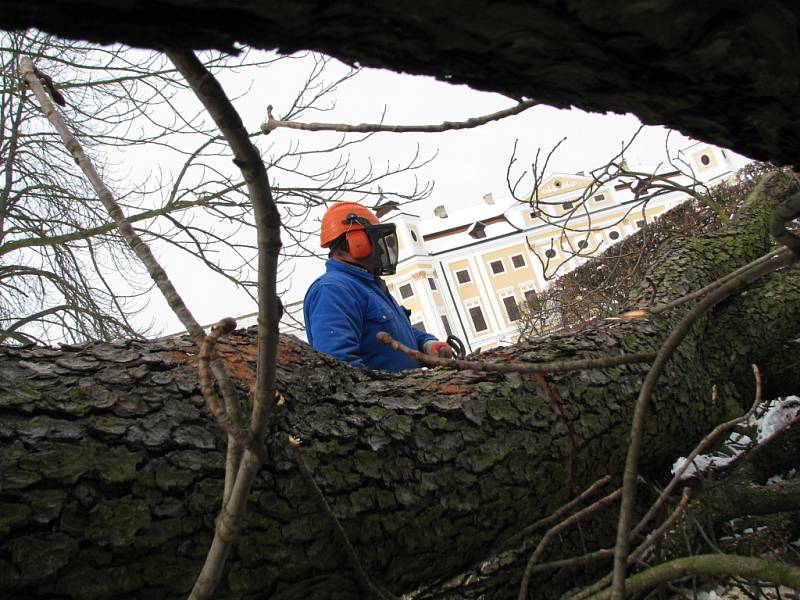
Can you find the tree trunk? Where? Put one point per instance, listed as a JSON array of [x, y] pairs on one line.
[[111, 470]]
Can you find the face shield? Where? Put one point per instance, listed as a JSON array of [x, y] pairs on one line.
[[384, 247], [383, 244]]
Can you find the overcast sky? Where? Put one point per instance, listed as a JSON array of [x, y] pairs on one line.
[[468, 164]]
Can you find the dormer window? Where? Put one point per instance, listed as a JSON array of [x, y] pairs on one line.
[[477, 230]]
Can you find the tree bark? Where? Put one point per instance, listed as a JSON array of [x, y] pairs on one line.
[[111, 470]]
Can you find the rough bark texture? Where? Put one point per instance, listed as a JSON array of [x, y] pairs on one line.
[[111, 472], [722, 71]]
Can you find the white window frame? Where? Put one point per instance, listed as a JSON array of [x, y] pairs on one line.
[[502, 295], [457, 271], [400, 293], [502, 264], [472, 303]]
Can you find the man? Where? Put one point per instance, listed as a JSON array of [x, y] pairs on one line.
[[346, 307]]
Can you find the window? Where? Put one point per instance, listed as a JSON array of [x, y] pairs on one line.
[[550, 253], [640, 223], [705, 159], [566, 205], [582, 244], [463, 276], [512, 310], [477, 230], [420, 325], [497, 266], [534, 213], [432, 283], [406, 291], [614, 235], [413, 234], [530, 298], [599, 197], [446, 324], [518, 261], [476, 314]]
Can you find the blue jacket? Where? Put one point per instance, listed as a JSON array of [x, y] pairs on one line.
[[346, 307]]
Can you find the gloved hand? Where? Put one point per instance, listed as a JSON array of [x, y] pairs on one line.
[[440, 349]]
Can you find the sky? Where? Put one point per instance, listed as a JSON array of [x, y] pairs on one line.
[[467, 165]]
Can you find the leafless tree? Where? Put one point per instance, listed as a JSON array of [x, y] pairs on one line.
[[65, 274]]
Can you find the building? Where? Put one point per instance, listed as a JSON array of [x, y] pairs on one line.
[[466, 271]]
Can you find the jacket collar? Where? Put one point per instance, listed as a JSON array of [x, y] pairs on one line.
[[336, 265]]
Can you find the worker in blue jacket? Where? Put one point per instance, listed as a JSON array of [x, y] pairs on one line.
[[345, 308]]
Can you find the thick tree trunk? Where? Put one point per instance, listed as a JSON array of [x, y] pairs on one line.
[[111, 470]]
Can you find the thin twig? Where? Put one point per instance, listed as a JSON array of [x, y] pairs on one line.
[[643, 404], [216, 407], [651, 539], [701, 447], [272, 123], [515, 366], [782, 258], [578, 516], [338, 530], [566, 508], [526, 532]]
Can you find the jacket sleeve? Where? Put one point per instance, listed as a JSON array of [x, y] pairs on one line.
[[422, 337], [334, 322]]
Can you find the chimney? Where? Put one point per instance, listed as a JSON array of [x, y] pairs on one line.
[[488, 198], [440, 212]]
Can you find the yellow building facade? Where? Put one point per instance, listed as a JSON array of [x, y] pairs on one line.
[[466, 272]]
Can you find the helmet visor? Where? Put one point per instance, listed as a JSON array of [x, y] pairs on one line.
[[384, 247]]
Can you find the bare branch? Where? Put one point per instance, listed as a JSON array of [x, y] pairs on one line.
[[515, 367], [271, 123]]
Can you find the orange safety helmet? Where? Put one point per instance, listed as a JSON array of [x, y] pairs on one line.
[[337, 220], [364, 234]]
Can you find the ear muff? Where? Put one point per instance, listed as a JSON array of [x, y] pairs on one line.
[[358, 244]]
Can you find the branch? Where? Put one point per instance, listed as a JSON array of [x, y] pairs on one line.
[[216, 407], [577, 517], [701, 447], [271, 123], [786, 211], [514, 366], [643, 404], [141, 249], [99, 229], [246, 157], [649, 541], [712, 564]]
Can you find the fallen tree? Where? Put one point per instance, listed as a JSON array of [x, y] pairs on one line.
[[111, 473]]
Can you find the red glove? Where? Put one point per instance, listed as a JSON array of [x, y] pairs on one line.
[[441, 349]]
